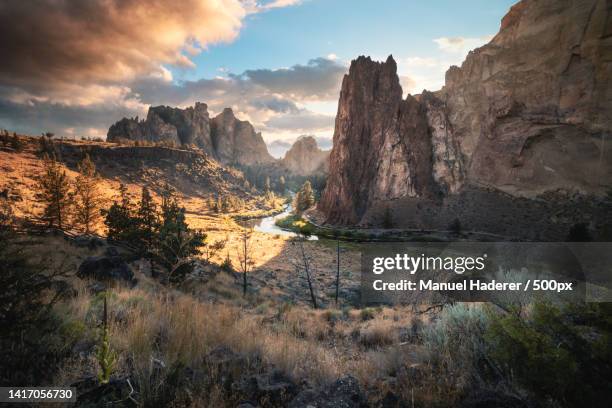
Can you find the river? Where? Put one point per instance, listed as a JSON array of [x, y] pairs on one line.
[[268, 224]]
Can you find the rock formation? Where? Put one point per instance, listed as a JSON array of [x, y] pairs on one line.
[[305, 158], [525, 119], [226, 138], [235, 141]]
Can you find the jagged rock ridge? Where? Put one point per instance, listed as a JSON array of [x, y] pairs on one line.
[[305, 157], [525, 117], [224, 137]]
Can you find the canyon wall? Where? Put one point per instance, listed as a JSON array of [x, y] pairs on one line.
[[516, 141]]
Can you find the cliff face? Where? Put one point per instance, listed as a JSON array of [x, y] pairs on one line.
[[235, 141], [305, 158], [226, 138], [526, 115]]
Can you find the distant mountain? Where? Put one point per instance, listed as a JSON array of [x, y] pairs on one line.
[[306, 158], [224, 137]]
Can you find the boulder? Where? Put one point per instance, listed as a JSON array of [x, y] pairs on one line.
[[272, 389], [343, 393], [107, 269]]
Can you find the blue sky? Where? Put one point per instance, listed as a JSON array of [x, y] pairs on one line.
[[277, 63], [286, 36]]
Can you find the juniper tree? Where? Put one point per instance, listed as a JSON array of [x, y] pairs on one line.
[[304, 199], [148, 219], [281, 184], [87, 196], [177, 244], [54, 193], [119, 219]]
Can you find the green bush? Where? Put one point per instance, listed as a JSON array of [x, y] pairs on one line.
[[297, 224], [455, 342], [367, 313], [557, 353]]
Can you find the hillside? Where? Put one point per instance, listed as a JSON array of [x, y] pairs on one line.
[[191, 173]]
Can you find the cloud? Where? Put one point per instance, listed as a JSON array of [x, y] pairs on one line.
[[278, 148], [418, 73], [52, 43], [303, 121], [279, 3], [319, 79], [461, 45], [268, 106], [78, 66], [90, 121], [325, 143]]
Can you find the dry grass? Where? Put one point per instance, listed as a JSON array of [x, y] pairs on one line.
[[379, 333]]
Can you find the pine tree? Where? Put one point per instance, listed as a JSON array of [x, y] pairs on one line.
[[267, 184], [54, 187], [177, 244], [119, 218], [281, 184], [304, 199], [147, 219], [88, 202]]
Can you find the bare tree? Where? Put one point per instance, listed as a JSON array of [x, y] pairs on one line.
[[303, 262], [245, 256]]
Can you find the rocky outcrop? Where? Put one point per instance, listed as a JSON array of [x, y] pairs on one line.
[[382, 145], [526, 117], [305, 158], [224, 137], [235, 141]]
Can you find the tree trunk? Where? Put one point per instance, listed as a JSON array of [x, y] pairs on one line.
[[337, 270]]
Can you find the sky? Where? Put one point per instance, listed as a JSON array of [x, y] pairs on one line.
[[74, 67]]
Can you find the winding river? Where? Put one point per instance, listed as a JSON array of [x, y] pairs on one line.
[[268, 224]]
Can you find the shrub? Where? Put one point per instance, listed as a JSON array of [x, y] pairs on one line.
[[367, 313], [378, 333], [455, 342], [558, 353]]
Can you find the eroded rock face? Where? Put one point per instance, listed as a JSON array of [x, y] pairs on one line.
[[235, 141], [305, 158], [226, 138], [382, 145], [526, 116], [531, 108]]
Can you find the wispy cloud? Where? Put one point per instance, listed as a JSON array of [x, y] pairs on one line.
[[461, 45]]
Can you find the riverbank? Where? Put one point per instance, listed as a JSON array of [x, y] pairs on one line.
[[304, 225]]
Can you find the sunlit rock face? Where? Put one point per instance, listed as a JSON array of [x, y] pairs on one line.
[[224, 137], [305, 158], [235, 141], [525, 118]]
